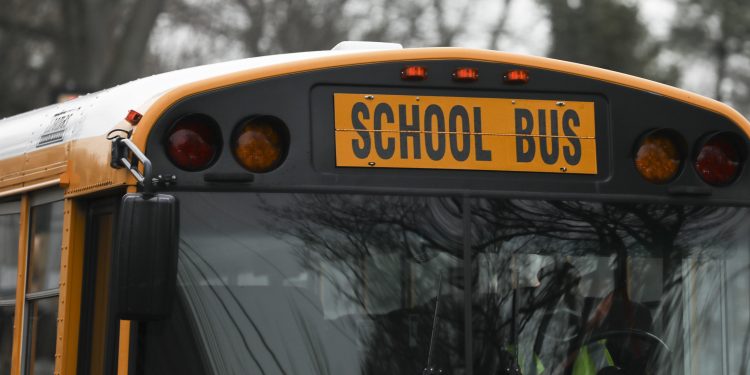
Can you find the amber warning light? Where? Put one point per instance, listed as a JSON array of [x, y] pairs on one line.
[[260, 143], [658, 156]]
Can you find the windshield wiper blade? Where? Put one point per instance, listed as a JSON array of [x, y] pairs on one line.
[[429, 370]]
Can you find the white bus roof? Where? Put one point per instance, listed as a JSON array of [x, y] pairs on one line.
[[97, 113]]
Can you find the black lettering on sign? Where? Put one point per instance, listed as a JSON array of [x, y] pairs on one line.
[[570, 118], [434, 112], [385, 152], [360, 147], [524, 154], [456, 113], [482, 154], [550, 153], [409, 131]]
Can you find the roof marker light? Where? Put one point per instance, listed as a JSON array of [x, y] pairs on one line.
[[516, 77], [414, 73], [133, 117], [466, 74]]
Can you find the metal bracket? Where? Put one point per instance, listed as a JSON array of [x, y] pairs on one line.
[[120, 149]]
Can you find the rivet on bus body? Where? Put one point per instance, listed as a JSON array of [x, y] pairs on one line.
[[417, 98], [369, 97], [563, 169], [513, 102], [561, 104]]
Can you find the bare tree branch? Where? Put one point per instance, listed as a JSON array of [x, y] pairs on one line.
[[499, 27], [132, 46], [8, 23]]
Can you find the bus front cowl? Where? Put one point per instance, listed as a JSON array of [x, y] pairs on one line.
[[362, 128]]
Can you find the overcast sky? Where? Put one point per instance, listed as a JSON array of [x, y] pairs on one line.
[[527, 33], [529, 28]]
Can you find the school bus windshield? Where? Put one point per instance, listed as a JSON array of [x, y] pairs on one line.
[[359, 284]]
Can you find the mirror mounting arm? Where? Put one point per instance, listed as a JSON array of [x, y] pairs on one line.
[[120, 148]]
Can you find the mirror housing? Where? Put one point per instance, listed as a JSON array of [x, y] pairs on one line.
[[145, 257]]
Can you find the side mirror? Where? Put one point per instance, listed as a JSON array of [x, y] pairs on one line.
[[145, 269]]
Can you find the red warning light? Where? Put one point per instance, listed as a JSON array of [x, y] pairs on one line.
[[719, 160], [516, 77], [414, 73], [466, 74], [193, 142]]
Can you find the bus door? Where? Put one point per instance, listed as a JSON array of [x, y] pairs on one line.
[[97, 352]]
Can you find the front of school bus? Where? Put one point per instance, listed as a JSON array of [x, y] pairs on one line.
[[438, 211]]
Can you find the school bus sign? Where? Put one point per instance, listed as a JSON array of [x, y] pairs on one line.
[[465, 133]]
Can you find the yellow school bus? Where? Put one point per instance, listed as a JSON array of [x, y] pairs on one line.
[[377, 210]]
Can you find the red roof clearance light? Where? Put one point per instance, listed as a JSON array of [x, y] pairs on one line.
[[414, 73], [516, 77], [719, 159], [466, 74], [193, 142], [133, 117]]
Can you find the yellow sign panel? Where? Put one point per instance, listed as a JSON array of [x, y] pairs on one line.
[[440, 132]]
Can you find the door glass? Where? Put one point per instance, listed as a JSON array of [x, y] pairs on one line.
[[103, 249]]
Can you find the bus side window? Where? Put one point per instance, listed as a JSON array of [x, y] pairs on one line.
[[42, 285], [9, 233]]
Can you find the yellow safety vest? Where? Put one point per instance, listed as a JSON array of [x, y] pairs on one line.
[[587, 362], [590, 358], [538, 365]]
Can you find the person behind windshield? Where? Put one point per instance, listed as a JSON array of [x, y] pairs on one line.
[[622, 325]]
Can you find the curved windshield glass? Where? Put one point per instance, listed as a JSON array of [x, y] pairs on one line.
[[351, 284]]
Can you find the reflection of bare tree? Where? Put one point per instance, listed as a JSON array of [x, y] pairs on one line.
[[344, 232], [343, 236], [597, 228], [618, 231]]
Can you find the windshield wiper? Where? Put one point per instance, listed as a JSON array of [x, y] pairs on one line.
[[429, 370]]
